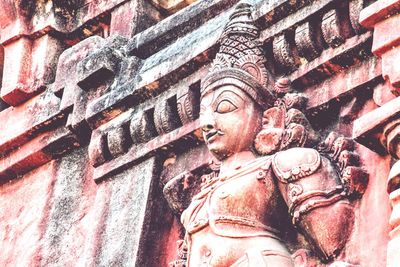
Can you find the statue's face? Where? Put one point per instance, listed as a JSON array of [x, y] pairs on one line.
[[230, 120]]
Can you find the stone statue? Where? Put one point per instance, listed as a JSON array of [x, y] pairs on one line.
[[273, 168]]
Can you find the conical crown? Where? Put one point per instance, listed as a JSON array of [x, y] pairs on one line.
[[240, 60]]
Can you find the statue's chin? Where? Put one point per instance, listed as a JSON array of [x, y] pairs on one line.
[[219, 153]]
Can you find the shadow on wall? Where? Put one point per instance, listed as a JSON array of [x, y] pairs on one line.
[[3, 105]]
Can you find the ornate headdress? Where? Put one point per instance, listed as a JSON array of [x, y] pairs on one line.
[[240, 60]]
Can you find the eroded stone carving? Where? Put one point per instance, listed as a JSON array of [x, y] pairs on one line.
[[166, 117], [284, 53], [308, 41], [275, 174]]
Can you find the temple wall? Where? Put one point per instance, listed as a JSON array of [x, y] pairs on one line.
[[99, 109]]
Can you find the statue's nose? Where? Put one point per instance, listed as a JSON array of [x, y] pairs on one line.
[[207, 121], [207, 127]]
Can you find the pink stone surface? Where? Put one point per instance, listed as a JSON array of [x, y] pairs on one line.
[[378, 11], [390, 68], [383, 17], [372, 216], [386, 35], [17, 61], [24, 210]]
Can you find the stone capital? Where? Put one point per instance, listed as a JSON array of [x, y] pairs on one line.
[[383, 16]]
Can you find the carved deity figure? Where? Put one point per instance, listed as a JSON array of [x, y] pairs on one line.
[[273, 171]]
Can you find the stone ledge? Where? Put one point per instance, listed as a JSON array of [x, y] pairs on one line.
[[344, 83], [20, 124], [168, 30], [378, 11], [37, 152]]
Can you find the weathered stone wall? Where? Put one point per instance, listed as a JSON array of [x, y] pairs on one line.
[[100, 103]]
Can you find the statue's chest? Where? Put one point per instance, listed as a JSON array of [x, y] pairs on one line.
[[245, 192], [251, 190]]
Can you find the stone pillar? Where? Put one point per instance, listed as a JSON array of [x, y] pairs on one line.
[[384, 17], [391, 141]]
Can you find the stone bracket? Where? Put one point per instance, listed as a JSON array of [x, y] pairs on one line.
[[308, 40], [368, 129], [22, 123], [101, 64], [28, 67]]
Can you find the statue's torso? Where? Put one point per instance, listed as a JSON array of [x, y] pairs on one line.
[[236, 214]]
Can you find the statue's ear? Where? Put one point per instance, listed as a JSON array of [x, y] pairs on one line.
[[283, 129], [268, 140]]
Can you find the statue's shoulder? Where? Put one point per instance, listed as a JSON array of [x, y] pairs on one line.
[[295, 163], [263, 162]]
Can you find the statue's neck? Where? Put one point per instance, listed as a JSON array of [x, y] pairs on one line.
[[235, 161]]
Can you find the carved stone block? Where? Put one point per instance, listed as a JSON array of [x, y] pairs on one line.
[[118, 140], [331, 28], [307, 37], [284, 52], [336, 26], [29, 66], [66, 79], [166, 117], [142, 127], [97, 68], [188, 105], [355, 7], [98, 150], [390, 138]]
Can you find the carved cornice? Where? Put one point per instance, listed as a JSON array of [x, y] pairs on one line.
[[351, 46], [139, 152], [107, 87]]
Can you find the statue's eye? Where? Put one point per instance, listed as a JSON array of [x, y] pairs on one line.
[[225, 106]]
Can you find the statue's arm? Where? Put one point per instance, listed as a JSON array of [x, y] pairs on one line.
[[318, 200]]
